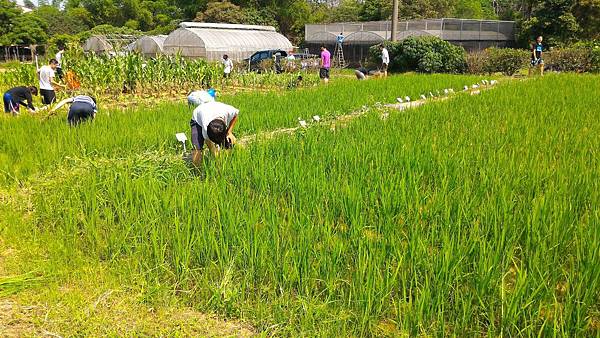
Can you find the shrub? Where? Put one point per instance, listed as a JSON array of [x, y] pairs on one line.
[[595, 59], [570, 59], [431, 62], [476, 62], [423, 54], [504, 60]]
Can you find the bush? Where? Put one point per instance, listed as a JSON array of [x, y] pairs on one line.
[[568, 60], [595, 59], [476, 62], [431, 62], [507, 61], [580, 57], [423, 54]]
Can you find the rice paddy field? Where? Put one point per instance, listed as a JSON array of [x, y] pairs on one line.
[[472, 216]]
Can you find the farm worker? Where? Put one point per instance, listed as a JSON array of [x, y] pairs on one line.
[[537, 50], [83, 107], [295, 83], [361, 73], [47, 84], [58, 57], [19, 96], [385, 59], [325, 64], [212, 122], [228, 64]]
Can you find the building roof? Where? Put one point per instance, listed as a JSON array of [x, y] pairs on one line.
[[211, 41]]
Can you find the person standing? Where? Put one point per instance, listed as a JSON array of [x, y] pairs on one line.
[[325, 64], [385, 60], [58, 57], [19, 96], [47, 84], [537, 50], [83, 107], [228, 66]]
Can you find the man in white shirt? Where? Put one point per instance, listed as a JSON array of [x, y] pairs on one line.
[[47, 84], [212, 122], [58, 57], [385, 59], [228, 64]]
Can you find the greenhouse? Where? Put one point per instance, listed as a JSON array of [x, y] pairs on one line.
[[149, 46], [108, 43], [210, 40], [473, 35]]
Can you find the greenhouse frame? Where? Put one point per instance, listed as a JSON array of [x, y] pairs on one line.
[[108, 43], [149, 46], [473, 35], [212, 40]]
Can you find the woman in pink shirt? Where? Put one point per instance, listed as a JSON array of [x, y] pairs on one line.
[[325, 64]]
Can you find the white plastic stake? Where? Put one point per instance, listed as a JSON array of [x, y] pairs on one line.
[[181, 138]]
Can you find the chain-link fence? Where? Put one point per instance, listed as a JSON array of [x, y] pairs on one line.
[[473, 35]]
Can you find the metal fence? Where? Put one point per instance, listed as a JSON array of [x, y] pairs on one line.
[[473, 35]]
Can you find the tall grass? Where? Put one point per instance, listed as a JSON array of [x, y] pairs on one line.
[[40, 144], [471, 217]]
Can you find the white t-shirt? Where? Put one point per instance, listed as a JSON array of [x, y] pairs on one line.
[[228, 66], [58, 58], [46, 76], [209, 111], [385, 56]]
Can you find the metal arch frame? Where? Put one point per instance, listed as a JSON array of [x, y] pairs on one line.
[[318, 40], [378, 39], [406, 34]]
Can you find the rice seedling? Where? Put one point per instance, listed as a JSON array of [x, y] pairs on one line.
[[470, 217]]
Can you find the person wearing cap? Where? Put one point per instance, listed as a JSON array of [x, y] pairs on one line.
[[212, 122], [83, 107]]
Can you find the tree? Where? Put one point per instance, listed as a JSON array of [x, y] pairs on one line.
[[28, 29], [8, 13], [346, 11], [221, 12]]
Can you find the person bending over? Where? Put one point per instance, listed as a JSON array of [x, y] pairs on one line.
[[19, 96], [212, 122], [82, 108]]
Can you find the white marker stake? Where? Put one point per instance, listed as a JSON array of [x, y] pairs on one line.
[[423, 97], [407, 99], [181, 138], [302, 123], [316, 118], [399, 99]]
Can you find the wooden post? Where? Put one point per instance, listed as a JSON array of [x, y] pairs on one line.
[[395, 21]]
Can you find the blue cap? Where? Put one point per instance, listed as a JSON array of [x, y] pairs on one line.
[[212, 92]]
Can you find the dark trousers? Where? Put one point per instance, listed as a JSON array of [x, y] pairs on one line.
[[197, 138], [48, 96], [9, 105], [59, 73], [79, 112]]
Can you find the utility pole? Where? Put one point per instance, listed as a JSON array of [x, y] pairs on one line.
[[395, 21]]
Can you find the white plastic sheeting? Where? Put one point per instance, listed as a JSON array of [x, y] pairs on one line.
[[211, 41], [149, 46]]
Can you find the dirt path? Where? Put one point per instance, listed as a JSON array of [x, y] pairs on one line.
[[342, 119]]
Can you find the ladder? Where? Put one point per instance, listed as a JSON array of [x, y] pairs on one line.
[[338, 53]]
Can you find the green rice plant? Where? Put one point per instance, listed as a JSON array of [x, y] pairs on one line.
[[153, 128], [468, 217]]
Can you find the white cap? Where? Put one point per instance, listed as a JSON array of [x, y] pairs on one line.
[[199, 97]]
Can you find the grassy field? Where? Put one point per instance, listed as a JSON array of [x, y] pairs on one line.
[[476, 216]]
